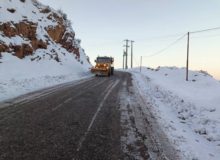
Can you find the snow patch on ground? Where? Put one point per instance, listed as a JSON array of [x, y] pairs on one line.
[[188, 112], [130, 137]]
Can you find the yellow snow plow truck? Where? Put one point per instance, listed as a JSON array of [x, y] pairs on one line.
[[104, 66]]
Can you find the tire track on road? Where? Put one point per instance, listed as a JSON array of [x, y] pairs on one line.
[[24, 99], [14, 106], [88, 86], [107, 91]]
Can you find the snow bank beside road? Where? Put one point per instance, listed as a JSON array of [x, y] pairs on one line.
[[189, 112], [20, 76]]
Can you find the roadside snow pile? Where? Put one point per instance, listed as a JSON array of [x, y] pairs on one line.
[[189, 112], [38, 48], [20, 76]]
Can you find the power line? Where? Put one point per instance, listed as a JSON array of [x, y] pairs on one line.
[[159, 37], [206, 36], [171, 44], [162, 50], [175, 35], [205, 30]]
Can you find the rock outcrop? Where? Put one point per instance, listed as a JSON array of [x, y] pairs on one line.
[[42, 27]]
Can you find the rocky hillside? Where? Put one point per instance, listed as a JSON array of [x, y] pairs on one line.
[[29, 28], [38, 48]]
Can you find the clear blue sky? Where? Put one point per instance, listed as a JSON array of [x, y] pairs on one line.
[[102, 25]]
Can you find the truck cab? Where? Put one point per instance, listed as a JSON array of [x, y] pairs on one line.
[[104, 66]]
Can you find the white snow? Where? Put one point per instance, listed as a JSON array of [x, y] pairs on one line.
[[24, 10], [16, 40], [22, 76], [188, 111]]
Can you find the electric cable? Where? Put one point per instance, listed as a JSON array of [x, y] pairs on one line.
[[168, 46], [205, 30]]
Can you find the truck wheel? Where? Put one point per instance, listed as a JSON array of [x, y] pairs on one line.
[[112, 70]]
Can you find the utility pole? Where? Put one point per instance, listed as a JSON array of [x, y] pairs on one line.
[[123, 59], [126, 54], [132, 53], [187, 58], [140, 63]]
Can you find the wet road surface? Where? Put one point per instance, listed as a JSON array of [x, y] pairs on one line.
[[76, 121]]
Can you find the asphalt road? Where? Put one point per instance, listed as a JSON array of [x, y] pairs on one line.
[[74, 121]]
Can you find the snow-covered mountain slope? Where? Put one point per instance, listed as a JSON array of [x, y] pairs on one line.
[[188, 111], [38, 48]]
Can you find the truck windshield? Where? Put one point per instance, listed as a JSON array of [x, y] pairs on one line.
[[103, 60]]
